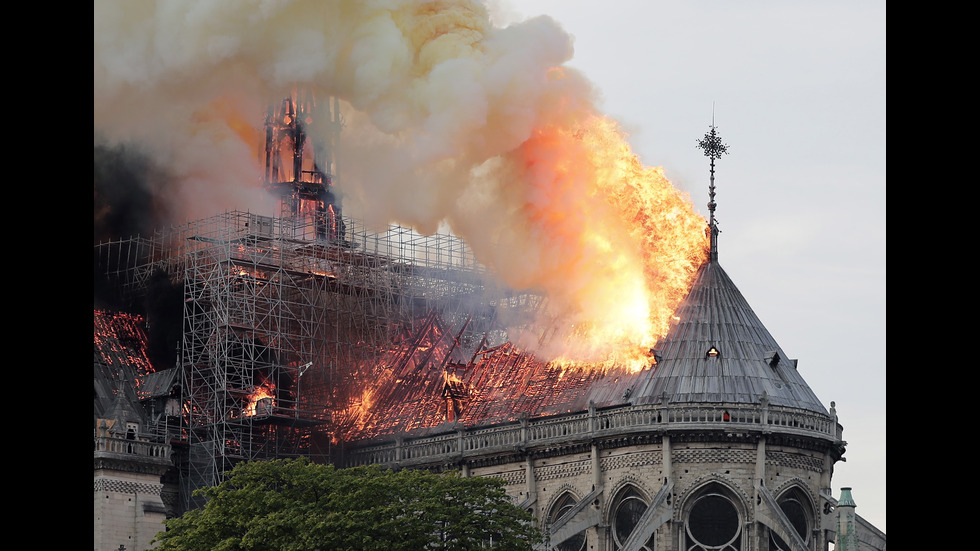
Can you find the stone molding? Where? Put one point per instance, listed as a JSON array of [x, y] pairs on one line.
[[116, 485], [630, 440], [794, 461], [130, 464], [712, 455], [562, 470], [631, 459], [511, 478]]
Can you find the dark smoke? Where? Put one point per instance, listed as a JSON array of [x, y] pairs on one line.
[[126, 193], [164, 319], [128, 186]]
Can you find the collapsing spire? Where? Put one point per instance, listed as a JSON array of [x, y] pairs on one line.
[[713, 149], [300, 141]]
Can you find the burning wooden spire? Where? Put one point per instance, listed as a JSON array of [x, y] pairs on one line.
[[300, 141]]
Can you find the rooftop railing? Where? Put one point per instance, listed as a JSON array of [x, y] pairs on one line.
[[595, 424], [126, 446]]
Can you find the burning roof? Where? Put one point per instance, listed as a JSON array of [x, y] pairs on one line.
[[716, 352], [426, 384], [120, 355]]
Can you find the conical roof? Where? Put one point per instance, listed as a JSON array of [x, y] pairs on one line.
[[720, 352]]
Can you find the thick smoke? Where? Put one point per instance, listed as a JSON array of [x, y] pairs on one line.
[[127, 184], [440, 106], [441, 90]]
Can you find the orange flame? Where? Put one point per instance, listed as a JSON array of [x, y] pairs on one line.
[[262, 401], [629, 253]]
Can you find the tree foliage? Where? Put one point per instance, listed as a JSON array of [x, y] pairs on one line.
[[297, 505]]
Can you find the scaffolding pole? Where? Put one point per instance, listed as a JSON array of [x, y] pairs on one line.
[[279, 330]]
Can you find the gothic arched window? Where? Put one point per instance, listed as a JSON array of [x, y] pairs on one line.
[[565, 504], [796, 508], [714, 522], [627, 509]]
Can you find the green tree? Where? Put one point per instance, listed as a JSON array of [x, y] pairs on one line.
[[297, 505]]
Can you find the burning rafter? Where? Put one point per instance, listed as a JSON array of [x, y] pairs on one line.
[[121, 345], [425, 384]]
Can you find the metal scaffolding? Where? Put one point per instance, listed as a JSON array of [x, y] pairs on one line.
[[279, 331], [285, 318]]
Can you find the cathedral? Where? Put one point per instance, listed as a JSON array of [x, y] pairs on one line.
[[717, 443]]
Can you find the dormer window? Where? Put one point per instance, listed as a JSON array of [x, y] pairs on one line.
[[712, 353], [772, 358]]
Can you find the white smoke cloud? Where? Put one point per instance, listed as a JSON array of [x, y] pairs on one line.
[[437, 77], [438, 100]]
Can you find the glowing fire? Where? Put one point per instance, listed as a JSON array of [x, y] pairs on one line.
[[634, 240], [323, 273], [262, 401], [451, 378], [248, 273]]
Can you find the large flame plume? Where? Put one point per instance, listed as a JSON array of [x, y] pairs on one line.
[[449, 118], [617, 243]]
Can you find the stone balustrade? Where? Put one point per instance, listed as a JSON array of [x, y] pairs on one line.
[[596, 425], [132, 447]]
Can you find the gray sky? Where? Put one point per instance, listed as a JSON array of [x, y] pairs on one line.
[[798, 93]]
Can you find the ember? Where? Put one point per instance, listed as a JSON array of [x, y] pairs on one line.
[[121, 345]]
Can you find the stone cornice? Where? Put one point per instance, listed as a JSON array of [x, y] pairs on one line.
[[130, 465]]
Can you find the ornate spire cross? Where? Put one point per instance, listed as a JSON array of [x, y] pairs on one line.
[[713, 149]]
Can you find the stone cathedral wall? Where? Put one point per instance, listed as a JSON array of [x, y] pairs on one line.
[[643, 467]]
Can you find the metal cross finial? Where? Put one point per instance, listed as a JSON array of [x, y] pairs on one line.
[[711, 145], [711, 142], [713, 149]]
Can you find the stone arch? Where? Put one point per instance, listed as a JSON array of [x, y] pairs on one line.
[[713, 513], [627, 501], [618, 488], [683, 498], [562, 501], [797, 503], [800, 485], [559, 493]]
